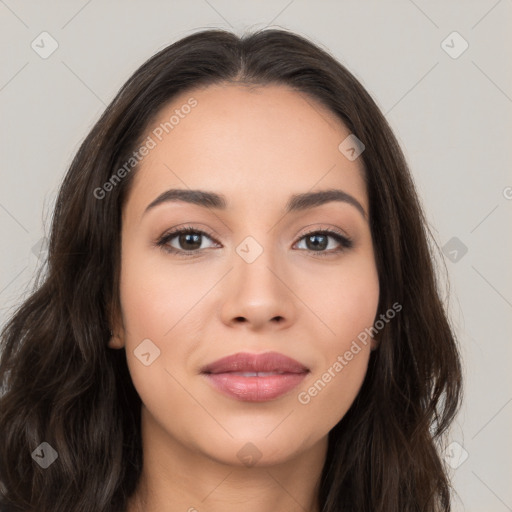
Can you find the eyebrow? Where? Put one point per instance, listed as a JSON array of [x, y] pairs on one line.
[[297, 202]]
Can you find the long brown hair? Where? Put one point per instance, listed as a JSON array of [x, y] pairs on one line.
[[62, 385]]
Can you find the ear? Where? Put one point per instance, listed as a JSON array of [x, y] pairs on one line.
[[375, 342], [115, 342], [117, 333]]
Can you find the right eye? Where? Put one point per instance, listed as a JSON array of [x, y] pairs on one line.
[[189, 238]]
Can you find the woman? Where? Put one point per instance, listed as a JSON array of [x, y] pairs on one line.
[[240, 305]]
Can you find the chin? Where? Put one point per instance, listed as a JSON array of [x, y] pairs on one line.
[[258, 450]]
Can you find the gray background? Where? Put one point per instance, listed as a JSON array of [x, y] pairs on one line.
[[451, 115]]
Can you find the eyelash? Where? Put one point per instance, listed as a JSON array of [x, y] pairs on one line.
[[346, 243]]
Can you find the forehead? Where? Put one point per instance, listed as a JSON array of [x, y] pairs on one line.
[[255, 144]]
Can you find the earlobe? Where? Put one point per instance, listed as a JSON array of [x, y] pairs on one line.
[[115, 341], [116, 330]]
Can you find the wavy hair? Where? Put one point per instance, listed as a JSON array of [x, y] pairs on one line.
[[62, 385]]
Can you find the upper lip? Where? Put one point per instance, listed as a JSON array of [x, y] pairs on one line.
[[246, 362]]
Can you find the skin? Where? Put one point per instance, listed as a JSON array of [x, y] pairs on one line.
[[257, 146]]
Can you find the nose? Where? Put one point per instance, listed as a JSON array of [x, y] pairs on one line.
[[258, 295]]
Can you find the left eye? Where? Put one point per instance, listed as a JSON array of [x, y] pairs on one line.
[[318, 241], [190, 240]]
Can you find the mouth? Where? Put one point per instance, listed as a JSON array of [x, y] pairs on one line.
[[255, 377]]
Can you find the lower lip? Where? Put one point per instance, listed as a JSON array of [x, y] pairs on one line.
[[255, 389]]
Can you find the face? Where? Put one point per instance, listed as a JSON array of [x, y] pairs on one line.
[[290, 289]]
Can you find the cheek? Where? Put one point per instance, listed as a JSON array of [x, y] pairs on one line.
[[341, 367], [344, 298], [160, 302], [155, 303], [329, 394], [348, 308], [157, 296]]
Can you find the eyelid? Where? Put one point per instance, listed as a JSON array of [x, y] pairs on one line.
[[176, 230], [323, 227]]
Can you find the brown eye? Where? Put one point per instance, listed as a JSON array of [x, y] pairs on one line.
[[187, 240], [318, 242]]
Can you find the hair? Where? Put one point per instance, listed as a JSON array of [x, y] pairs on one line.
[[62, 385]]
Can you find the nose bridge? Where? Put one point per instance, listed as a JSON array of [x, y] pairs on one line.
[[259, 247], [255, 264], [257, 292]]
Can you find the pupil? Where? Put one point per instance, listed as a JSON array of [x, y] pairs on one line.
[[184, 239], [316, 245]]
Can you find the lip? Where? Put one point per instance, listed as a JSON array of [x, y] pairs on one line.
[[280, 374]]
